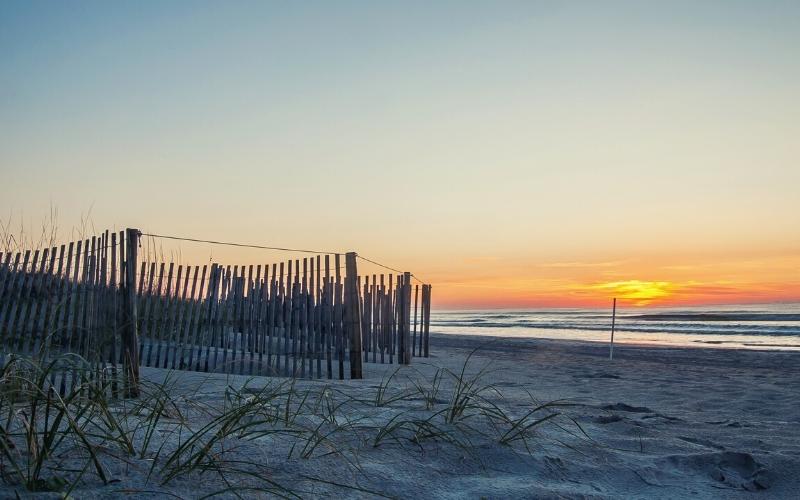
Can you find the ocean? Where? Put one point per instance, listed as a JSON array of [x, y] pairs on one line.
[[762, 326]]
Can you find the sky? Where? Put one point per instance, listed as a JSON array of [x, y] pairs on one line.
[[512, 154]]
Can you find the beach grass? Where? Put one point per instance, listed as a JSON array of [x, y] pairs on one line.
[[53, 442]]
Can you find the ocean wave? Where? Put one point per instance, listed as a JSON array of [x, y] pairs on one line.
[[697, 329], [744, 316]]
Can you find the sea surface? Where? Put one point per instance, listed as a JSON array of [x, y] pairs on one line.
[[763, 326]]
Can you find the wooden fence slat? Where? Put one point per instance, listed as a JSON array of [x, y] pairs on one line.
[[164, 311], [272, 317], [216, 311], [113, 353], [87, 327], [229, 319], [178, 360], [88, 331], [63, 313], [287, 312], [268, 319], [53, 301], [310, 315], [233, 319], [352, 320], [259, 320], [318, 316], [326, 313], [76, 325], [146, 330], [302, 324], [180, 313], [29, 303], [175, 311], [224, 303], [253, 276], [212, 307], [17, 319], [156, 302], [122, 256], [141, 297], [98, 320], [237, 332], [74, 303], [245, 317], [18, 303], [373, 302], [297, 301], [8, 278], [338, 320], [414, 351], [195, 327], [380, 332], [427, 323], [5, 272], [297, 310], [338, 316], [280, 300], [104, 312], [365, 317], [38, 303]]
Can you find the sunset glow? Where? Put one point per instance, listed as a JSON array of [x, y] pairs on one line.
[[639, 292], [586, 284]]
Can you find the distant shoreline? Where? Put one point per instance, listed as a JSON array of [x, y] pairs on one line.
[[589, 348]]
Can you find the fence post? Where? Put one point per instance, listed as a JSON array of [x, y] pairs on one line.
[[130, 334], [426, 304], [406, 312], [353, 314]]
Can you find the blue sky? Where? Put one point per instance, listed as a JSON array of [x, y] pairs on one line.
[[527, 131]]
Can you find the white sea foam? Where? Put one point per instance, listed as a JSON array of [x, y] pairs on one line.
[[764, 326]]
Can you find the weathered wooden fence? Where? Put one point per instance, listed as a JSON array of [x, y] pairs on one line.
[[311, 317]]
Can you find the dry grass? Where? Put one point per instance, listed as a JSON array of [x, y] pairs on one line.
[[52, 442]]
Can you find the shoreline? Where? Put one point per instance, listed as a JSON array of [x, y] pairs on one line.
[[599, 350]]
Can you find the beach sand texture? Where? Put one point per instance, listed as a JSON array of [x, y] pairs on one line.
[[654, 423]]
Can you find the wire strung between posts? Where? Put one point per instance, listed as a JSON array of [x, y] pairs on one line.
[[89, 250], [159, 275], [243, 245], [389, 268]]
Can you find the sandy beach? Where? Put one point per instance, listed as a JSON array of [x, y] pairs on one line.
[[653, 423], [667, 422]]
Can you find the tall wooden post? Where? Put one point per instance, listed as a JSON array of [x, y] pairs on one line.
[[414, 339], [130, 335], [426, 317], [407, 346], [353, 315]]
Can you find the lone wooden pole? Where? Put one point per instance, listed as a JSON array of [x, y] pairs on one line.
[[613, 321], [130, 335], [353, 315]]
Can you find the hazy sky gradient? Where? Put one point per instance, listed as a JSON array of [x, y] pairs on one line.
[[512, 153]]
